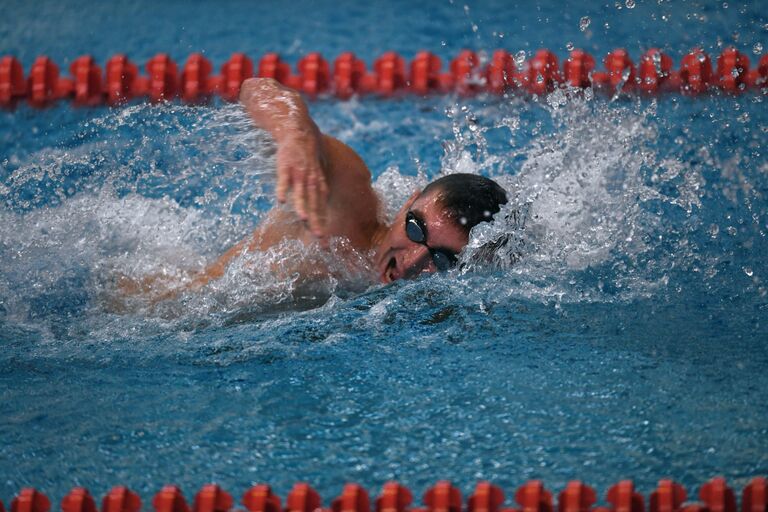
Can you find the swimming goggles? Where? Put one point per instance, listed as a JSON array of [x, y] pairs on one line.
[[417, 233]]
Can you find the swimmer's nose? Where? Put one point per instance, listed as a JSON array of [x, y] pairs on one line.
[[417, 260]]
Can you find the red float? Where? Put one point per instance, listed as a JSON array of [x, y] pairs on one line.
[[121, 499], [620, 71], [732, 70], [654, 71], [443, 497], [578, 68], [348, 73], [302, 498], [78, 500], [394, 498], [29, 500], [577, 497], [271, 66], [163, 78], [624, 498], [668, 497], [464, 73], [533, 497], [754, 498], [695, 72], [353, 499], [486, 498], [233, 73], [12, 84], [500, 72], [196, 85], [541, 75], [718, 496], [260, 498], [212, 498], [389, 74], [87, 89], [425, 73], [313, 74], [43, 80], [121, 77], [170, 499]]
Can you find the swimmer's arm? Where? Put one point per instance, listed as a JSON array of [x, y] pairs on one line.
[[301, 166]]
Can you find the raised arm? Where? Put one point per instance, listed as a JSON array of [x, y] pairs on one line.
[[301, 160]]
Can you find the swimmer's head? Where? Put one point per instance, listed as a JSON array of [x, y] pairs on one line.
[[433, 226]]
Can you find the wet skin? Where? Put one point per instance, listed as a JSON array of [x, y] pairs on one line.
[[397, 257]]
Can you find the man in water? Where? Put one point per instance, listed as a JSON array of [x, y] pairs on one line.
[[330, 189]]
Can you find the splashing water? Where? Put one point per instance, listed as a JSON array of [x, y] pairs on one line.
[[162, 191]]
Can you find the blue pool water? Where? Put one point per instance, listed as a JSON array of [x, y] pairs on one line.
[[629, 341]]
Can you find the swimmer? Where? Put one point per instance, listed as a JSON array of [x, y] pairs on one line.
[[329, 188]]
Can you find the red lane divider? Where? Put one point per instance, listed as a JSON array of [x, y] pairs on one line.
[[29, 500], [669, 496], [78, 500], [577, 497], [466, 74], [486, 498], [260, 498], [121, 499], [394, 498], [170, 499]]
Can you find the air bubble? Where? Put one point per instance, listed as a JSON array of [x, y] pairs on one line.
[[520, 57], [630, 4], [748, 271], [584, 23], [569, 46], [757, 48]]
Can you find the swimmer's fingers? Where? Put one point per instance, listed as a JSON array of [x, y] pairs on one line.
[[283, 182], [316, 192], [299, 198]]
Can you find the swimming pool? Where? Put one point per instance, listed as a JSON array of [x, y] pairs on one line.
[[630, 340]]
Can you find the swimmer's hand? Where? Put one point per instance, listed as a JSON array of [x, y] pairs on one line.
[[300, 148], [300, 171]]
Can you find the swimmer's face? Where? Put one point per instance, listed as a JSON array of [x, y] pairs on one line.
[[398, 256]]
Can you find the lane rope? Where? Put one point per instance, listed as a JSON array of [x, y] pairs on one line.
[[121, 81], [669, 496]]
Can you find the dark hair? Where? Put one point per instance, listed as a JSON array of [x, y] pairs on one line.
[[468, 199]]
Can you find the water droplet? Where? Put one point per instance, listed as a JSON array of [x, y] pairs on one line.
[[625, 74], [520, 57], [702, 58], [735, 73], [748, 271], [731, 230], [630, 4], [607, 25], [757, 48], [714, 230], [569, 46], [584, 23]]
